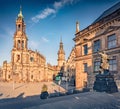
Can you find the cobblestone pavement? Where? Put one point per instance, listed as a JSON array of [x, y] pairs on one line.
[[28, 98], [89, 100], [12, 90]]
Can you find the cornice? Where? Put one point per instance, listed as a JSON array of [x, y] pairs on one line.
[[83, 57], [108, 30], [99, 25]]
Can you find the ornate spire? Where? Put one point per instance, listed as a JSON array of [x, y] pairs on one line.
[[77, 27], [61, 54], [61, 39], [20, 14], [61, 44]]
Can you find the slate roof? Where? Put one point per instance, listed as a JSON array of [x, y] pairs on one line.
[[108, 12]]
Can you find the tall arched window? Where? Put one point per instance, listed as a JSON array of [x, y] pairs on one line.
[[22, 44], [18, 58], [19, 27], [18, 44], [31, 76], [31, 59]]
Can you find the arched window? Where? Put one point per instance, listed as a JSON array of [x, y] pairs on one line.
[[31, 59], [22, 44], [18, 44], [19, 27], [9, 76], [31, 76], [18, 58]]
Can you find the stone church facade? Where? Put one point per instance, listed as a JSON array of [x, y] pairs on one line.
[[102, 35], [25, 65]]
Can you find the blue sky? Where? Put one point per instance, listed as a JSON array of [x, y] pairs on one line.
[[46, 22]]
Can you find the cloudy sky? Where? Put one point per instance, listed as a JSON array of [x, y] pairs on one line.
[[46, 22]]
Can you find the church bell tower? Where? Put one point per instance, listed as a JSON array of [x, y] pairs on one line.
[[20, 39], [61, 55]]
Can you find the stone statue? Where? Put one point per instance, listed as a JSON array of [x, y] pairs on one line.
[[104, 81], [104, 61]]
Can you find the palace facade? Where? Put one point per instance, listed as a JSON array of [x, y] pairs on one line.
[[102, 35]]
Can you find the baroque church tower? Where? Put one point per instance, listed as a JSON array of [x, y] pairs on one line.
[[61, 55], [19, 51], [20, 39]]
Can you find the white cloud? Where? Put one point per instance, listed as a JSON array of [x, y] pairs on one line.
[[49, 11], [46, 12], [36, 44], [33, 45], [45, 39], [68, 1], [57, 5]]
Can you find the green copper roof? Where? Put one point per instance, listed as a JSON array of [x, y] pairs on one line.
[[20, 14]]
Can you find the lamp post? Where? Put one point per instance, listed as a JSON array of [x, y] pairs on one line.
[[59, 82], [66, 79]]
